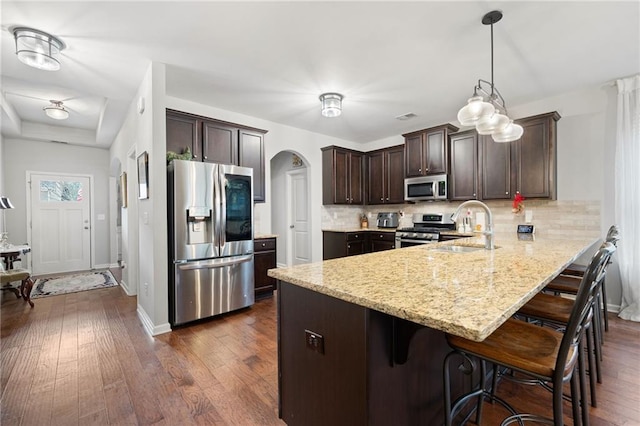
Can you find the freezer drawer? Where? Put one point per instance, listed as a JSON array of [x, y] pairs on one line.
[[210, 287]]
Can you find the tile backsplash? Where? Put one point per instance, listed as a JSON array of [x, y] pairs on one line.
[[550, 217]]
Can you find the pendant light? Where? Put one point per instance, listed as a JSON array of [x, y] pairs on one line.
[[486, 108], [37, 48], [56, 110], [331, 104]]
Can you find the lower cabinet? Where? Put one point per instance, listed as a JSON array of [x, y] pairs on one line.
[[380, 241], [341, 244], [264, 258]]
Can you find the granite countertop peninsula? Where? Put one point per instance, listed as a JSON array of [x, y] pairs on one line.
[[467, 294]]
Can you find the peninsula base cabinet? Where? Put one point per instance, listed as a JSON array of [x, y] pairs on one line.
[[337, 244], [357, 366], [264, 258]]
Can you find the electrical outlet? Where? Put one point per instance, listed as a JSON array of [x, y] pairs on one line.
[[146, 289], [315, 341]]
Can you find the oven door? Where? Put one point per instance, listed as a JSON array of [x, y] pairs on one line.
[[410, 242]]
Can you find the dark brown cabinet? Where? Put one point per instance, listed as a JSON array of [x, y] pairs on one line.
[[218, 142], [264, 258], [426, 151], [251, 154], [534, 157], [463, 180], [385, 176], [495, 173], [183, 132], [380, 241], [342, 244], [527, 165], [342, 176]]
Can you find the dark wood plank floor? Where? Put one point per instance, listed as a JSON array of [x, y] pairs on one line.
[[84, 359]]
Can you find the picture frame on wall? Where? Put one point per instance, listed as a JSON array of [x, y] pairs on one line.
[[123, 189], [143, 176]]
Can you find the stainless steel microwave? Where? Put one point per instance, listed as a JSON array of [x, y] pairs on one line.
[[425, 188]]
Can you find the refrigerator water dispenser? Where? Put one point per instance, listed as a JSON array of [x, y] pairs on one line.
[[198, 225]]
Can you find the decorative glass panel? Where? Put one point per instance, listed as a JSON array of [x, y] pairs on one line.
[[51, 190]]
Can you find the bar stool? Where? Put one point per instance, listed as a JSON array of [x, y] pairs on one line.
[[569, 280], [556, 310], [538, 352]]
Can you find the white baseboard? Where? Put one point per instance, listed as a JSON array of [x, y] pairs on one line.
[[152, 330], [126, 288], [281, 265], [103, 266]]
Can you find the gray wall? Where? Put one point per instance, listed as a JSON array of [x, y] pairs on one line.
[[21, 156]]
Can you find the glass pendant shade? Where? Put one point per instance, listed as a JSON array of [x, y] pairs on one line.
[[38, 49], [475, 110], [331, 104], [56, 111], [512, 132], [495, 123]]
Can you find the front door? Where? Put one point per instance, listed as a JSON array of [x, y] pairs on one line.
[[298, 217], [60, 223]]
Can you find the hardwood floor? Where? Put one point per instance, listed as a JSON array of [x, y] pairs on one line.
[[84, 359]]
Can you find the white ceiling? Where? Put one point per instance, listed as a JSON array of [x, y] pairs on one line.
[[272, 59]]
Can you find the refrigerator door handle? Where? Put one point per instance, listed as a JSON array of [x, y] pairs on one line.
[[223, 208], [215, 263]]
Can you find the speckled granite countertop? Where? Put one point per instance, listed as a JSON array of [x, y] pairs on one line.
[[261, 236], [466, 294]]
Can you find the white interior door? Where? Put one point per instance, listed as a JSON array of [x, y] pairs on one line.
[[298, 235], [60, 223]]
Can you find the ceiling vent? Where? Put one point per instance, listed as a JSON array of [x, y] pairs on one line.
[[406, 116]]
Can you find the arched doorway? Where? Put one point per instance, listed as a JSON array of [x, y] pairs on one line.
[[290, 207]]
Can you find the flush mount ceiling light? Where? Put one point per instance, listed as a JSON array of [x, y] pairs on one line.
[[56, 110], [331, 104], [37, 48], [486, 108]]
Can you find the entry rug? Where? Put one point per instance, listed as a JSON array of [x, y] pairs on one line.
[[64, 284]]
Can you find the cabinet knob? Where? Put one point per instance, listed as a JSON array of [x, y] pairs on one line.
[[381, 199], [426, 170], [474, 194], [195, 156], [264, 245], [348, 246], [419, 170], [506, 193], [205, 157], [387, 198], [357, 236]]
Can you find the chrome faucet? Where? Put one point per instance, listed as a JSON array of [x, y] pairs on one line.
[[488, 227]]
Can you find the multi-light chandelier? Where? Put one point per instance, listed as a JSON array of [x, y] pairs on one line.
[[486, 108]]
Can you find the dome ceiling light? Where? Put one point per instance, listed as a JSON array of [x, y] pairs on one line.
[[37, 48], [331, 104], [56, 110]]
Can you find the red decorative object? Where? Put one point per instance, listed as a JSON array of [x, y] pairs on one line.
[[518, 204]]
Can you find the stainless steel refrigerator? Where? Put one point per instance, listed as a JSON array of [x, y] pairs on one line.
[[211, 239]]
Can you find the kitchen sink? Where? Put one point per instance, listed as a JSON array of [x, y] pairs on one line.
[[458, 249]]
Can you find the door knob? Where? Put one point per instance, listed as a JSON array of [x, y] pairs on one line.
[[291, 226], [86, 227]]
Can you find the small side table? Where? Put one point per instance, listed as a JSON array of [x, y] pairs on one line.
[[12, 254]]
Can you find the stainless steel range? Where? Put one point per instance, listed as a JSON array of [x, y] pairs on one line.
[[425, 230]]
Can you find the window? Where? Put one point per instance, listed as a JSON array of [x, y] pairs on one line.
[[51, 190]]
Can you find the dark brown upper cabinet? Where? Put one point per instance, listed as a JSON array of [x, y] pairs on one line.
[[463, 180], [216, 141], [342, 176], [534, 157], [495, 173], [426, 151], [385, 175], [527, 165]]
